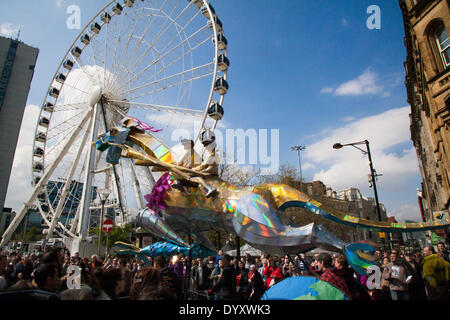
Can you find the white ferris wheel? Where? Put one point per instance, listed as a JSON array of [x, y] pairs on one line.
[[164, 62]]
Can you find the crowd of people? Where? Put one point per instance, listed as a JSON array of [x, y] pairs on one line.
[[421, 275]]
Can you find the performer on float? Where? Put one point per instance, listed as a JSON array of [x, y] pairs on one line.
[[190, 159], [210, 162]]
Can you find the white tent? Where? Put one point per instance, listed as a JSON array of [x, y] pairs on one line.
[[244, 250], [319, 250]]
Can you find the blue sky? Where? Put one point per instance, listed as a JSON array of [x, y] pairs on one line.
[[309, 68]]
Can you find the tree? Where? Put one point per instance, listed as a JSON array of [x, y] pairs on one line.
[[118, 234], [237, 175], [287, 175]]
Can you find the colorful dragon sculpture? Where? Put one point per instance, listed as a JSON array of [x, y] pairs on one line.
[[255, 213]]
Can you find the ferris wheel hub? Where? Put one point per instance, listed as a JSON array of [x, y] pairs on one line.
[[95, 95]]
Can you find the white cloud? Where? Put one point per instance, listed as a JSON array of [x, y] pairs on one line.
[[308, 165], [348, 119], [365, 84], [9, 30], [327, 90], [348, 167], [20, 180], [59, 3], [406, 212]]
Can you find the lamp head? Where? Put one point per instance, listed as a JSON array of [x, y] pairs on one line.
[[104, 193], [337, 146]]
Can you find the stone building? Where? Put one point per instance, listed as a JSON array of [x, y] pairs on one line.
[[350, 201], [427, 82]]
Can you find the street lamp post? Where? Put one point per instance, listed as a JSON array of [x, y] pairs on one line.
[[373, 173], [299, 149], [104, 194]]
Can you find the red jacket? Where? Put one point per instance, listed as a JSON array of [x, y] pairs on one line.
[[269, 272]]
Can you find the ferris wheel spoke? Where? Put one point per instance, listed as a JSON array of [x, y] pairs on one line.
[[130, 36], [160, 57], [171, 62], [73, 87], [117, 41], [149, 24], [94, 58], [69, 106], [158, 36], [50, 131], [154, 107], [82, 67], [169, 86], [183, 73]]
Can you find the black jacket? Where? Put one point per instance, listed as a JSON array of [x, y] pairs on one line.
[[170, 281], [225, 287]]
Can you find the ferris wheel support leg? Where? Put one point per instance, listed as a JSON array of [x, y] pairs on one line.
[[42, 183], [85, 203], [67, 186], [115, 176], [150, 178], [74, 226], [137, 187]]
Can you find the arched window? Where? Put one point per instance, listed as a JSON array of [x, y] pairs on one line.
[[443, 45], [440, 44]]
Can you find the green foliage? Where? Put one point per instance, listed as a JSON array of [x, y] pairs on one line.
[[34, 235], [118, 234]]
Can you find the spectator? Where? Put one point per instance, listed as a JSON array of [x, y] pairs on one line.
[[248, 261], [210, 269], [146, 279], [264, 264], [25, 268], [127, 276], [301, 265], [416, 284], [356, 291], [255, 288], [77, 259], [3, 265], [396, 273], [225, 287], [216, 274], [200, 275], [22, 285], [168, 278], [292, 271], [273, 273], [77, 294], [330, 274], [386, 295], [378, 254], [436, 273], [111, 284], [46, 277], [95, 263], [443, 251], [218, 257], [241, 281], [157, 293], [176, 265]]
